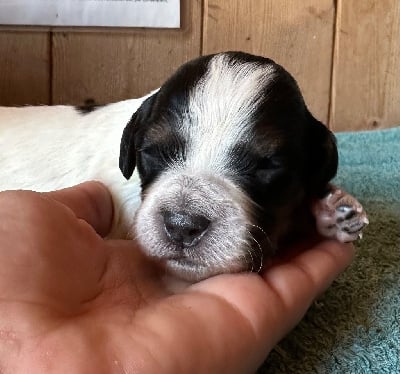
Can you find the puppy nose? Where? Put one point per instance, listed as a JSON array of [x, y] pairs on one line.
[[184, 228]]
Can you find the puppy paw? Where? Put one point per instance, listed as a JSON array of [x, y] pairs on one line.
[[340, 216]]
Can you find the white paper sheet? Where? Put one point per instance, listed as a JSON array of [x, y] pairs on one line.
[[113, 13]]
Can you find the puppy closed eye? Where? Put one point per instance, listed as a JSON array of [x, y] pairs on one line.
[[149, 164], [157, 156], [268, 167], [151, 152]]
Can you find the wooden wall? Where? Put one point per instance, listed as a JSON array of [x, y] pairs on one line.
[[345, 55]]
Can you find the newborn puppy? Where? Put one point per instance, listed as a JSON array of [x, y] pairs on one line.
[[220, 167]]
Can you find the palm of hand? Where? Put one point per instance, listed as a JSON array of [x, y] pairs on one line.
[[73, 302]]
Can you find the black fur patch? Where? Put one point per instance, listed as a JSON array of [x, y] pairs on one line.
[[88, 106]]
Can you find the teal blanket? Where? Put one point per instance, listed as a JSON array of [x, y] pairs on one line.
[[355, 326]]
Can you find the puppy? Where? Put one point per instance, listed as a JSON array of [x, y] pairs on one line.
[[217, 169]]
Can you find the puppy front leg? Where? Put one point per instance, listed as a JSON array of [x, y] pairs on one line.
[[339, 216]]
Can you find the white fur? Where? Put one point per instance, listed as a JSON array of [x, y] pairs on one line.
[[217, 119], [45, 148]]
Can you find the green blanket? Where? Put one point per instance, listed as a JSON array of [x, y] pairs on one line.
[[355, 326]]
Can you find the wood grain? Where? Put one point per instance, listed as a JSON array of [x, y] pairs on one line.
[[359, 90], [296, 34], [111, 66], [24, 68], [366, 78]]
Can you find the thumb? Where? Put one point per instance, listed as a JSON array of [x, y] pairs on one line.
[[90, 201]]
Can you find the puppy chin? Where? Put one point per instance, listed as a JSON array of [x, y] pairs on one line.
[[191, 272]]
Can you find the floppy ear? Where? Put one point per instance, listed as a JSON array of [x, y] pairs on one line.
[[127, 152], [322, 156]]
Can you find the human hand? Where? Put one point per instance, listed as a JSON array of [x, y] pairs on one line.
[[73, 302]]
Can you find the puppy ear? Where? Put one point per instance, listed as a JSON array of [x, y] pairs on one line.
[[322, 156], [127, 152]]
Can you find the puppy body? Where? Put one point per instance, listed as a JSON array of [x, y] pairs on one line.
[[51, 147], [220, 164]]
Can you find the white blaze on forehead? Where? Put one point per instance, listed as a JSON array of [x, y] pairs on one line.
[[221, 106]]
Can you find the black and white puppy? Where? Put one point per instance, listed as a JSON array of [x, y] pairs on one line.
[[220, 166]]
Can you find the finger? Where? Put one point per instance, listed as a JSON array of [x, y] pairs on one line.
[[271, 305], [314, 270], [90, 201]]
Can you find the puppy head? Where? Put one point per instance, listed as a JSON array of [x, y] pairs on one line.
[[226, 151]]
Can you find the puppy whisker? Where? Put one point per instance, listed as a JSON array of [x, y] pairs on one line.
[[259, 229], [260, 250], [249, 250]]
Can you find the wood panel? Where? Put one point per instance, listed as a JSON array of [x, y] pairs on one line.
[[110, 66], [24, 67], [366, 84], [296, 34]]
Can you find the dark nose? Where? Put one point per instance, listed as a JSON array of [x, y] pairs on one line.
[[184, 228]]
